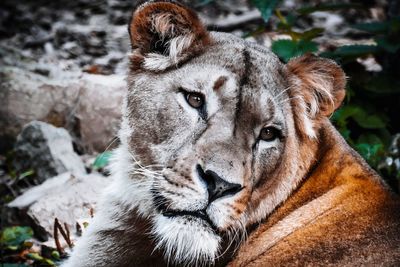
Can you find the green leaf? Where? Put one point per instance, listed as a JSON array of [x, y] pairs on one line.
[[26, 174], [395, 24], [16, 235], [383, 84], [341, 116], [389, 45], [370, 152], [372, 27], [327, 7], [305, 46], [370, 138], [102, 160], [203, 3], [38, 258], [34, 256], [48, 262], [311, 34], [13, 248], [360, 116], [369, 121], [27, 244], [266, 7], [287, 49], [351, 51], [303, 36], [55, 254]]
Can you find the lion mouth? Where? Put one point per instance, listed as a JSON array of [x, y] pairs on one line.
[[200, 214], [197, 215]]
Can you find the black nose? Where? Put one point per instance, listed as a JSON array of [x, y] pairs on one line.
[[216, 186]]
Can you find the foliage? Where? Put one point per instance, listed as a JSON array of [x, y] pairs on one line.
[[102, 160], [12, 237], [16, 246], [266, 7], [287, 49], [369, 115]]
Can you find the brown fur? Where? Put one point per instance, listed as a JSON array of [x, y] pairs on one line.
[[305, 73], [306, 67], [360, 223], [156, 23]]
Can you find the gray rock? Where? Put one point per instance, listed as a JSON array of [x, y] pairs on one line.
[[71, 198], [389, 167], [26, 96], [87, 105], [394, 148], [99, 111], [47, 150]]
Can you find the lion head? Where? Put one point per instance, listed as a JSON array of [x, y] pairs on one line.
[[217, 132]]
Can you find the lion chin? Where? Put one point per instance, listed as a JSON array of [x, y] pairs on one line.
[[186, 239]]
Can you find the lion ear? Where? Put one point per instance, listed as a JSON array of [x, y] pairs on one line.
[[163, 34], [317, 89]]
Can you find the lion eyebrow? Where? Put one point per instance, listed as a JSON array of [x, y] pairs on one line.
[[219, 83]]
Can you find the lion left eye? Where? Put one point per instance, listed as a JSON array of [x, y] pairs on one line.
[[269, 134], [195, 100]]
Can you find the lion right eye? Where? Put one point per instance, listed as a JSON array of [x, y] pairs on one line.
[[269, 134]]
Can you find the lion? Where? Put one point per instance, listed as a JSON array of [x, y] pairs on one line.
[[228, 158]]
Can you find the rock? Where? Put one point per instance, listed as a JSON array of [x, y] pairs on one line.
[[26, 96], [390, 165], [47, 150], [88, 106], [91, 38], [70, 198], [99, 110], [394, 148]]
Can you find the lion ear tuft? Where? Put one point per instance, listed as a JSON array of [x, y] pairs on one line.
[[317, 89], [163, 34]]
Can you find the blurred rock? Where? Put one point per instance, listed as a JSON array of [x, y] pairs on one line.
[[82, 39], [27, 96], [394, 149], [99, 110], [390, 166], [88, 106], [119, 11], [46, 150], [70, 198]]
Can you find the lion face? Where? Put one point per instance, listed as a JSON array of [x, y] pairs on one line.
[[219, 130]]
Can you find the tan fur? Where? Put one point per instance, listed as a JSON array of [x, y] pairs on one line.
[[342, 215]]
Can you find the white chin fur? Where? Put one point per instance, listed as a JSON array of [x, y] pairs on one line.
[[190, 243]]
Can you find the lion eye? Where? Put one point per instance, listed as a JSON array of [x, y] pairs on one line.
[[269, 134], [195, 100]]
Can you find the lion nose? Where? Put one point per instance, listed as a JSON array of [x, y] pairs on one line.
[[216, 186]]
